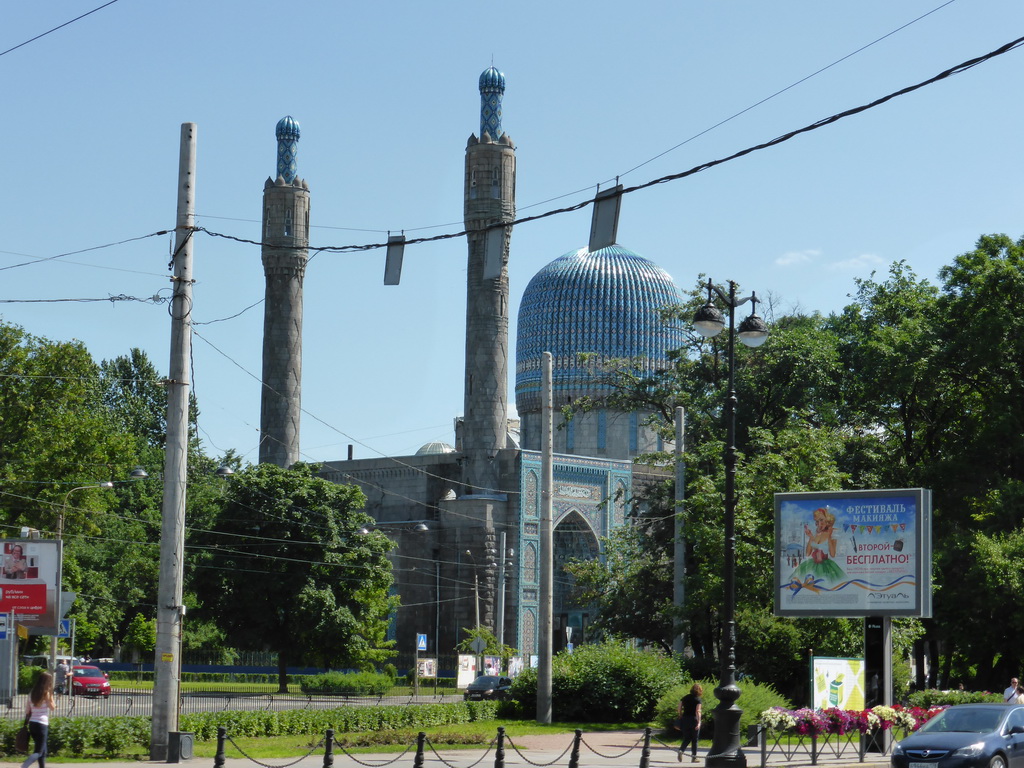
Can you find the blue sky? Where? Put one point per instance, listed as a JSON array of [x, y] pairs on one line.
[[386, 94]]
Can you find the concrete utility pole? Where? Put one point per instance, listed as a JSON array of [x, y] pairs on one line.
[[169, 609], [547, 556], [679, 575]]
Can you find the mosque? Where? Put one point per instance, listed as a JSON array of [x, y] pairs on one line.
[[466, 516]]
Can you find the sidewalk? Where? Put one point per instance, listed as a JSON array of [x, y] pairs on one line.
[[597, 749]]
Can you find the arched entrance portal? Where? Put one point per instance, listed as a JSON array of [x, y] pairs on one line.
[[573, 539]]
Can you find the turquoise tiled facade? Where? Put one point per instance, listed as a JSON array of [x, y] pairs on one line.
[[492, 87], [287, 148]]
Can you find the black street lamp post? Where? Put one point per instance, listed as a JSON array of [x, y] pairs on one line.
[[725, 745]]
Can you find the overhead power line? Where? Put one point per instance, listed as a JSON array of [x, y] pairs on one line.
[[956, 70], [59, 26]]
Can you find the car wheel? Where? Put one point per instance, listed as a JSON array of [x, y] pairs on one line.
[[997, 761]]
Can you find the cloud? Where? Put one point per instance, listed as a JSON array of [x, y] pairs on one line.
[[857, 263], [796, 257]]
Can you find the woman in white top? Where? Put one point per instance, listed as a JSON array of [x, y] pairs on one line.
[[38, 707]]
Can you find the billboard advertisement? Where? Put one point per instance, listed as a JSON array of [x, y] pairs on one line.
[[853, 553], [837, 683], [30, 581]]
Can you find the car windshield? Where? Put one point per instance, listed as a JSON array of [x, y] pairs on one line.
[[88, 672], [967, 720], [485, 681]]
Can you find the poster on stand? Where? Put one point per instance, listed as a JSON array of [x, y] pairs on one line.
[[837, 683], [30, 581], [467, 670]]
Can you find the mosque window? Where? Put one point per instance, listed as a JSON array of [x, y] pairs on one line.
[[602, 430], [634, 428], [472, 184], [288, 223], [495, 184], [570, 436]]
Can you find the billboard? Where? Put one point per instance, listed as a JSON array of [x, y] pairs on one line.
[[853, 553], [30, 581], [837, 683]]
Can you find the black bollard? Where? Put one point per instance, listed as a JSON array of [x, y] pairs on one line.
[[574, 756], [499, 753], [329, 749], [645, 753], [222, 736], [421, 740]]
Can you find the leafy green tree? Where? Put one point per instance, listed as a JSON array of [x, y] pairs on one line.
[[285, 568], [54, 433], [632, 582]]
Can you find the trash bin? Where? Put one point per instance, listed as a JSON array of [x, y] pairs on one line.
[[179, 746]]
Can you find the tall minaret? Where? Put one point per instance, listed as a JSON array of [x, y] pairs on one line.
[[285, 252], [490, 198]]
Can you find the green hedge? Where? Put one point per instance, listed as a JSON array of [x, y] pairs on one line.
[[349, 683], [933, 697], [114, 736], [204, 677]]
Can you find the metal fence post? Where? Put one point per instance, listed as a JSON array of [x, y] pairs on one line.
[[814, 748], [645, 753], [499, 753], [421, 739], [222, 736], [574, 756], [329, 749]]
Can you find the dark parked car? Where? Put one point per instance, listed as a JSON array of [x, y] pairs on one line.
[[966, 736], [89, 681], [487, 688]]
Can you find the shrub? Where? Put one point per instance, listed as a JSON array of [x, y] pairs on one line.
[[27, 678], [609, 682], [935, 698], [348, 684], [754, 699]]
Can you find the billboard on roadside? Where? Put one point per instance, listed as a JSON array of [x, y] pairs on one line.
[[853, 553], [30, 581]]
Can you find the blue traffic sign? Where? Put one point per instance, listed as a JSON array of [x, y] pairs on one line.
[[421, 642], [64, 630]]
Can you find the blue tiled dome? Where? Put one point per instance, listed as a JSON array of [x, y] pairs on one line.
[[287, 128], [604, 302], [492, 80]]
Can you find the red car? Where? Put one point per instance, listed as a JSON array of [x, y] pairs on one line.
[[89, 681]]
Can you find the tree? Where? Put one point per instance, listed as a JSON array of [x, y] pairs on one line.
[[632, 582], [54, 433], [285, 568]]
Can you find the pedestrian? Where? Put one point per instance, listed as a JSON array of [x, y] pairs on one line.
[[37, 709], [1020, 695], [689, 720], [1010, 694], [61, 677]]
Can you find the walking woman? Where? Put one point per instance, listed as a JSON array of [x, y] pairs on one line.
[[689, 720], [38, 707]]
